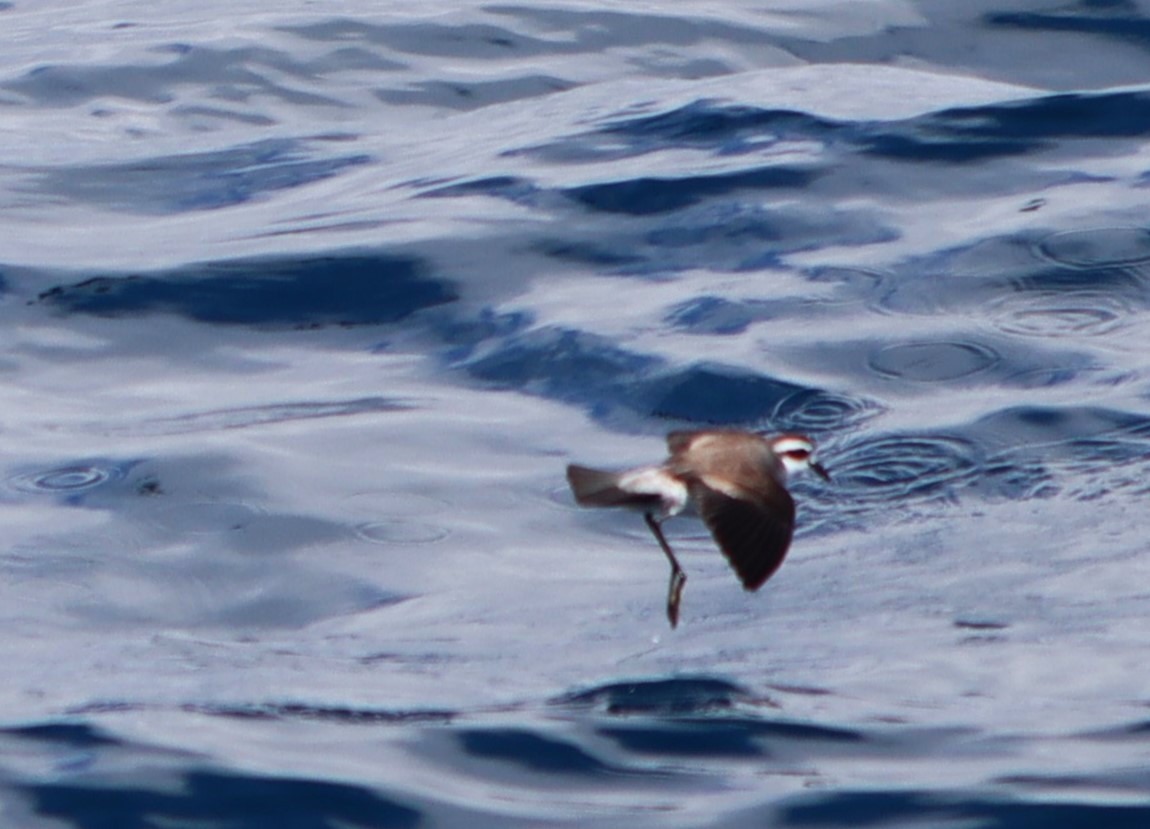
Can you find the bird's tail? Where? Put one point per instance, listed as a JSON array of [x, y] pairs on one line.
[[596, 488]]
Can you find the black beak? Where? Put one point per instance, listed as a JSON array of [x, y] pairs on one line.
[[821, 471]]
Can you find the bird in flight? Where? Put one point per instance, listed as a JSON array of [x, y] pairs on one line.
[[735, 480]]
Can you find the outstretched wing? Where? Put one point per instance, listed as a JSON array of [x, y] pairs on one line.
[[753, 530], [595, 487], [598, 488]]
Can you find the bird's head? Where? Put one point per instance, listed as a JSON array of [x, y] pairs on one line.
[[798, 452]]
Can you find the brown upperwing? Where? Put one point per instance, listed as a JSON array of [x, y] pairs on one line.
[[753, 518], [753, 532]]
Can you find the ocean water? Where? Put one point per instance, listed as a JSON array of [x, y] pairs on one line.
[[306, 307]]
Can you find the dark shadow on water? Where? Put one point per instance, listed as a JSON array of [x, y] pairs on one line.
[[723, 736], [162, 787], [917, 808], [212, 798], [598, 255], [968, 134], [98, 781], [262, 711], [692, 717], [959, 135], [1072, 282], [341, 715], [707, 123], [717, 394], [532, 751], [1138, 730], [707, 738], [625, 387], [63, 734], [682, 696], [647, 196], [1135, 781], [561, 363], [464, 336], [510, 188], [297, 293], [724, 128], [715, 315], [1117, 20]]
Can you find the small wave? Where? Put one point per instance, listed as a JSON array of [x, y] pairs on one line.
[[933, 361], [815, 411], [893, 468], [72, 480], [1097, 247], [399, 531], [1058, 314], [67, 479]]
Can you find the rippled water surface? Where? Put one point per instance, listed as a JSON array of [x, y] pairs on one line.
[[306, 308]]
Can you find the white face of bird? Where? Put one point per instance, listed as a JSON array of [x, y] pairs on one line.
[[798, 452]]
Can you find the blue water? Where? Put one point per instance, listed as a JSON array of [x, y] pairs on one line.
[[306, 308]]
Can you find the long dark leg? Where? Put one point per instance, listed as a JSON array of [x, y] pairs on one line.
[[678, 577]]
